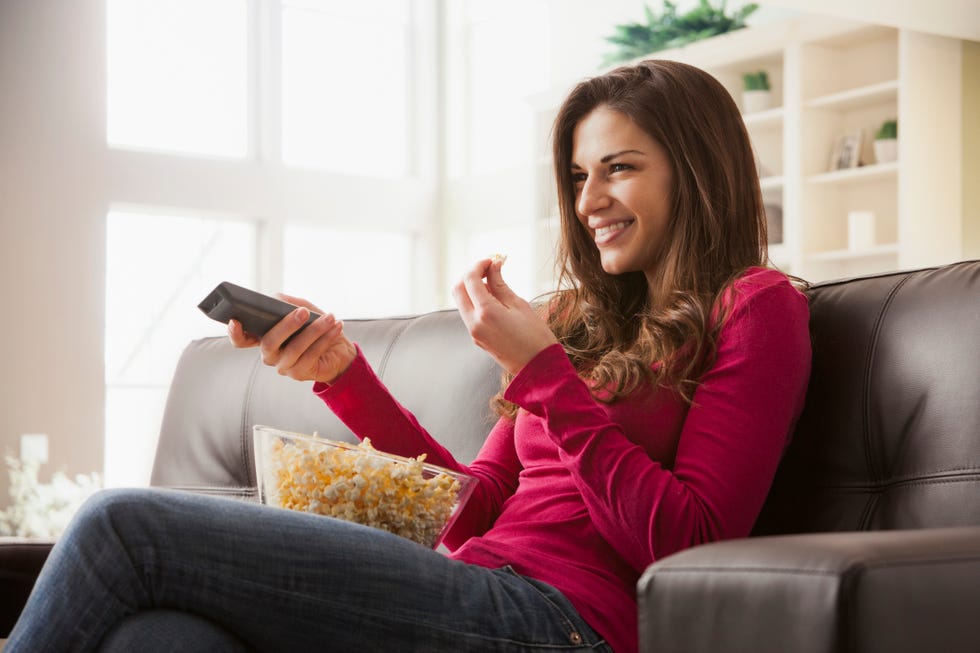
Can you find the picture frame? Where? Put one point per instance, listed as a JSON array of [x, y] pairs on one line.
[[847, 151]]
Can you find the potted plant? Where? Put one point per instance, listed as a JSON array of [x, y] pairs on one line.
[[756, 93], [886, 142], [671, 29]]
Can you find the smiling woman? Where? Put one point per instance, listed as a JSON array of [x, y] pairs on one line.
[[623, 186], [645, 411]]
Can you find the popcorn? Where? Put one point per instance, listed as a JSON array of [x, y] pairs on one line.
[[358, 483]]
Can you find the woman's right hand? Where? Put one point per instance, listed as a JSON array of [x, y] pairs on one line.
[[320, 352]]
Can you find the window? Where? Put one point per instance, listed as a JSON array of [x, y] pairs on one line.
[[350, 273], [344, 88], [158, 267], [177, 75], [515, 242], [507, 62]]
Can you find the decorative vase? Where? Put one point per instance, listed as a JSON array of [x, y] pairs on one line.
[[886, 150], [753, 101]]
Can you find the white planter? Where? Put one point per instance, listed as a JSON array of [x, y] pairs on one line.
[[753, 101], [886, 150]]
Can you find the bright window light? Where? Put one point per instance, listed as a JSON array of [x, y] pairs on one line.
[[344, 86], [177, 75], [515, 242], [508, 62], [350, 273], [158, 267]]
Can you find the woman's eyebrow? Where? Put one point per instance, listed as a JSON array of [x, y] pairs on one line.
[[609, 157]]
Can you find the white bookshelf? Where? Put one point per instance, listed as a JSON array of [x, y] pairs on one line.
[[830, 77]]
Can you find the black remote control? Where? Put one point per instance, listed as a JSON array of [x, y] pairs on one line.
[[256, 312]]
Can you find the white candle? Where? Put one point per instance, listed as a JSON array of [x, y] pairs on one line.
[[860, 230]]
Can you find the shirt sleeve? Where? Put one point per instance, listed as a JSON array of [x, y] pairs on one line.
[[362, 402], [730, 444]]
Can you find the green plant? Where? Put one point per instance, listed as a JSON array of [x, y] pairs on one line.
[[757, 81], [670, 29], [888, 129]]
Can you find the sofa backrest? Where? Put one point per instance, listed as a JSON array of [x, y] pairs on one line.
[[218, 393], [890, 434], [889, 437]]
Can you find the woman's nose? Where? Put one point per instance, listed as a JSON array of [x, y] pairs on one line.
[[592, 197]]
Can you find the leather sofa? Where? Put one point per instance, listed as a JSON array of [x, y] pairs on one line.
[[869, 541]]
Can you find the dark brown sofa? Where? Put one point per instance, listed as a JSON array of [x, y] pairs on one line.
[[870, 540]]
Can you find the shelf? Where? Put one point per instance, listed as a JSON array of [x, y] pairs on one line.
[[779, 255], [889, 249], [831, 78], [856, 97], [862, 173], [771, 183], [768, 118]]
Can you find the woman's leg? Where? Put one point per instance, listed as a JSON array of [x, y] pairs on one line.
[[280, 581], [170, 631]]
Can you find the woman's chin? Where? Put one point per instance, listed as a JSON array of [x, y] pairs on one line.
[[613, 267]]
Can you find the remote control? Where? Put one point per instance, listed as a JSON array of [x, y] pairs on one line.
[[256, 312]]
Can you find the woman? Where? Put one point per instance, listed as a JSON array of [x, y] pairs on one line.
[[643, 412]]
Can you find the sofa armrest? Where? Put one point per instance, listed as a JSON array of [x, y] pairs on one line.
[[896, 591], [20, 562]]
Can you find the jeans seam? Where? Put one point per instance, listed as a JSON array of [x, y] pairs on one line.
[[569, 622], [368, 610]]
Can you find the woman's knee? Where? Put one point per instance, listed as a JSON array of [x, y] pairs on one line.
[[107, 508]]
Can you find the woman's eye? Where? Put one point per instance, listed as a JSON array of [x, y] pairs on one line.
[[578, 177], [619, 167]]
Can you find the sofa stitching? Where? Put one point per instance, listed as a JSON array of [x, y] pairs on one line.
[[856, 568], [383, 363], [884, 487], [747, 570], [873, 471], [246, 418]]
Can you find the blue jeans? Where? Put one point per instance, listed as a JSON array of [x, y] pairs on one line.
[[195, 573]]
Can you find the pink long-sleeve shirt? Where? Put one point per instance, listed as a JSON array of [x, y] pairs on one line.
[[585, 495]]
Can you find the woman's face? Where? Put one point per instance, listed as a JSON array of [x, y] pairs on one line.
[[623, 184]]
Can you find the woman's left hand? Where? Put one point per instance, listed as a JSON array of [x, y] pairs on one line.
[[499, 321]]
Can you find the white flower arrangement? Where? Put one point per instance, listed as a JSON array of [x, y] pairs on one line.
[[42, 510]]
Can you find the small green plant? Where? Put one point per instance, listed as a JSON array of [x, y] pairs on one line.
[[757, 81], [888, 129], [671, 30]]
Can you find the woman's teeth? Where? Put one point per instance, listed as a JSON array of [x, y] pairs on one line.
[[602, 231]]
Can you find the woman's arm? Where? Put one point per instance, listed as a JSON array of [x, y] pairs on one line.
[[345, 381], [360, 399], [731, 441]]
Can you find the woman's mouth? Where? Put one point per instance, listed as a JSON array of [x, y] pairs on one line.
[[609, 232]]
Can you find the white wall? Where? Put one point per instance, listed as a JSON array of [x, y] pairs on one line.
[[956, 18], [52, 245], [58, 180]]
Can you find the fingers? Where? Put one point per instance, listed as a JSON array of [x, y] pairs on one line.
[[496, 284], [299, 301], [309, 365], [238, 336], [273, 340], [286, 357]]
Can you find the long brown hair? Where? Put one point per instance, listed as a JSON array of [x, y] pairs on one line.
[[621, 330]]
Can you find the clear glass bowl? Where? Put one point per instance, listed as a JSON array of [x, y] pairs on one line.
[[358, 483]]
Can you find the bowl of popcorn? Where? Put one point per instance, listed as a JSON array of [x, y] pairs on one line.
[[358, 483]]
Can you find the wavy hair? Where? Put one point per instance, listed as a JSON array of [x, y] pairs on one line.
[[621, 331]]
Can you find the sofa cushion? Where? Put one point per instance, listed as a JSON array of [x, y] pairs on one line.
[[890, 435]]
